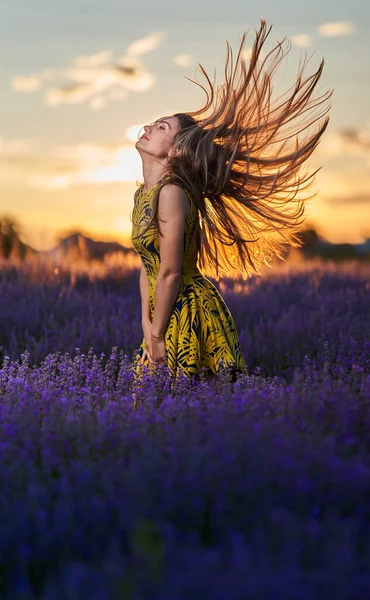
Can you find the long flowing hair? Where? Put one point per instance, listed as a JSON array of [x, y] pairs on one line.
[[241, 156]]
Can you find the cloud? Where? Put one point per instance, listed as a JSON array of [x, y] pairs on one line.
[[98, 103], [145, 45], [353, 143], [93, 60], [336, 28], [134, 77], [26, 162], [18, 146], [356, 139], [351, 199], [30, 83], [75, 93], [183, 60], [95, 79], [112, 82], [301, 39]]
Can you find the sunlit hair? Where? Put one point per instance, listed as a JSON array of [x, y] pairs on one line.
[[241, 156]]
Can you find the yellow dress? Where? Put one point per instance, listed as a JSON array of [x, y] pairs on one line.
[[201, 331]]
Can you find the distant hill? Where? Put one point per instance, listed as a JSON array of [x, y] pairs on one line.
[[79, 246]]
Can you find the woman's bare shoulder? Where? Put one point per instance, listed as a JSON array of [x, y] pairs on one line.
[[173, 192]]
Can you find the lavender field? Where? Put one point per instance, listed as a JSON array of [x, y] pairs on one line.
[[113, 488]]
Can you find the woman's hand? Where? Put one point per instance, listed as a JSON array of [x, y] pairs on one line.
[[155, 348], [159, 354]]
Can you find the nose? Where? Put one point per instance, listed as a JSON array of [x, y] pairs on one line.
[[146, 128]]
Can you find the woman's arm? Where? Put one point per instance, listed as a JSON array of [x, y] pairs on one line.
[[173, 205], [144, 292]]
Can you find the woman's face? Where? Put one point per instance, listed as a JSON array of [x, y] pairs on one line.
[[158, 137]]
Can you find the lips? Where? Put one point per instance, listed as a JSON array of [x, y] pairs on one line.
[[143, 137]]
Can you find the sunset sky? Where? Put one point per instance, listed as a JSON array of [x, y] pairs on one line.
[[79, 78]]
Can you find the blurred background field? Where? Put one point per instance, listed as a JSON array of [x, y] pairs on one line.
[[86, 294]]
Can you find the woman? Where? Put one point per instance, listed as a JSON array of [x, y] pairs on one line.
[[220, 196]]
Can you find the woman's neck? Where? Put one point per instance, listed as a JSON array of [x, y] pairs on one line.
[[153, 176]]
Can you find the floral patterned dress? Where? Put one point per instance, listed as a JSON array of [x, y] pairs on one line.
[[201, 331]]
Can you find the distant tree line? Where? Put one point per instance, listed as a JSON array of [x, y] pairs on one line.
[[11, 245]]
